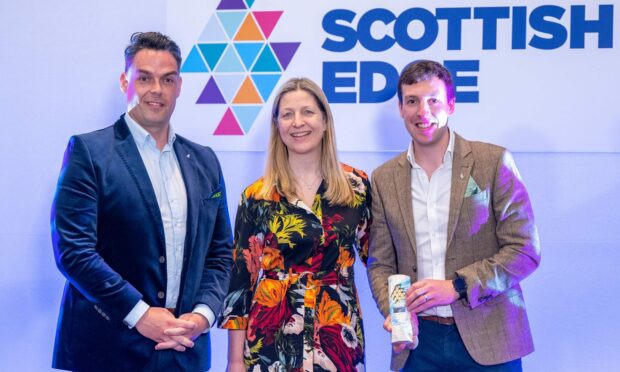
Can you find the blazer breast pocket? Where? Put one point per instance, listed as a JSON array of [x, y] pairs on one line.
[[478, 197]]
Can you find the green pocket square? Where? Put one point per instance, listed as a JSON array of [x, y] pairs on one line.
[[472, 188], [215, 195]]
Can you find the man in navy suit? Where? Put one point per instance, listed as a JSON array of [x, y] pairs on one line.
[[141, 231]]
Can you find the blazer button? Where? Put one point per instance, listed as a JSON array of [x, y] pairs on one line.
[[161, 295], [162, 259]]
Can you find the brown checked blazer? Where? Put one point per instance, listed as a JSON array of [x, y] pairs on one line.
[[492, 243]]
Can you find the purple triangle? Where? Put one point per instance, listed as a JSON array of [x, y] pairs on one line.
[[231, 4], [284, 52], [211, 93]]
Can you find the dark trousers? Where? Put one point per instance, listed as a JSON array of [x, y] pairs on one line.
[[441, 349]]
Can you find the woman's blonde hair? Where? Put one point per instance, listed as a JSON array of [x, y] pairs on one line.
[[278, 174]]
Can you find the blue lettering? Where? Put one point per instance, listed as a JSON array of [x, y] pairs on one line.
[[519, 19], [331, 82], [604, 26], [431, 29], [556, 30], [454, 16], [464, 81], [332, 27], [489, 18], [364, 27], [368, 70]]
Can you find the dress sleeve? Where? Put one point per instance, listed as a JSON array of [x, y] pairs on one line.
[[245, 268], [363, 227]]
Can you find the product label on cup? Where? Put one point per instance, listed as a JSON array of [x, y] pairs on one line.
[[401, 319]]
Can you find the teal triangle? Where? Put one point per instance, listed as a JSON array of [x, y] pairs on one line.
[[246, 115], [231, 21], [229, 84], [230, 62], [194, 62], [212, 32], [266, 62], [212, 53], [248, 52], [249, 3], [265, 84]]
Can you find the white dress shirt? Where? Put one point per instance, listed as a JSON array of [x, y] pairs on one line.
[[431, 204], [164, 172]]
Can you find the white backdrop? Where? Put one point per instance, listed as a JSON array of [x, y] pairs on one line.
[[532, 75], [61, 64]]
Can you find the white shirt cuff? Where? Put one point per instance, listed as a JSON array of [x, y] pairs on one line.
[[205, 311], [135, 314]]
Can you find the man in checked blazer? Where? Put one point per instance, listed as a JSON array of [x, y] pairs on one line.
[[455, 216], [141, 231]]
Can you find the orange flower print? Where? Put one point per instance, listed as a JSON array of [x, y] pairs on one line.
[[271, 292], [330, 312], [272, 259]]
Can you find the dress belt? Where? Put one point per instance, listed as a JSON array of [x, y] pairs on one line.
[[438, 319]]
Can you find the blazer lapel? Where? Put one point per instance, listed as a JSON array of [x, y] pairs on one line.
[[127, 150], [461, 170], [402, 183], [187, 163]]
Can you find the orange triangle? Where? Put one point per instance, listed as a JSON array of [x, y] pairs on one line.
[[247, 93], [249, 30]]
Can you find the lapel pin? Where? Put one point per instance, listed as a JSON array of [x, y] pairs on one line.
[[460, 176], [188, 156]]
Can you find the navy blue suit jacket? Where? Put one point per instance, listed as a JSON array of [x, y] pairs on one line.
[[109, 243]]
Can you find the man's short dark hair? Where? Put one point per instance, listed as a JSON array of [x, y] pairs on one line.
[[154, 41], [422, 70]]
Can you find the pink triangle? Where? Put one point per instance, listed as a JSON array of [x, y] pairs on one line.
[[267, 21], [228, 126]]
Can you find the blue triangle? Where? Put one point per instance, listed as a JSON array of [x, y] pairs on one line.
[[248, 52], [213, 31], [194, 62], [231, 21], [249, 3], [246, 115], [212, 53], [265, 84], [266, 62], [229, 84], [230, 62]]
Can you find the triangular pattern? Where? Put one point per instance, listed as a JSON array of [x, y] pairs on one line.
[[231, 4], [246, 115], [212, 52], [230, 62], [267, 21], [194, 62], [212, 32], [266, 62], [228, 126], [247, 93], [249, 30], [231, 21], [265, 83], [229, 84], [249, 3], [211, 93], [248, 52], [285, 52]]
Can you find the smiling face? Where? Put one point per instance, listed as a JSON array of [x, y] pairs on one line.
[[301, 123], [425, 109], [152, 85]]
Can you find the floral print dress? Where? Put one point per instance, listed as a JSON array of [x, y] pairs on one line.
[[292, 285]]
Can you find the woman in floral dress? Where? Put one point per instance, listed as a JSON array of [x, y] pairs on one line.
[[292, 303]]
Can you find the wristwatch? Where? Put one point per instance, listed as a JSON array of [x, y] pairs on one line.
[[460, 286]]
